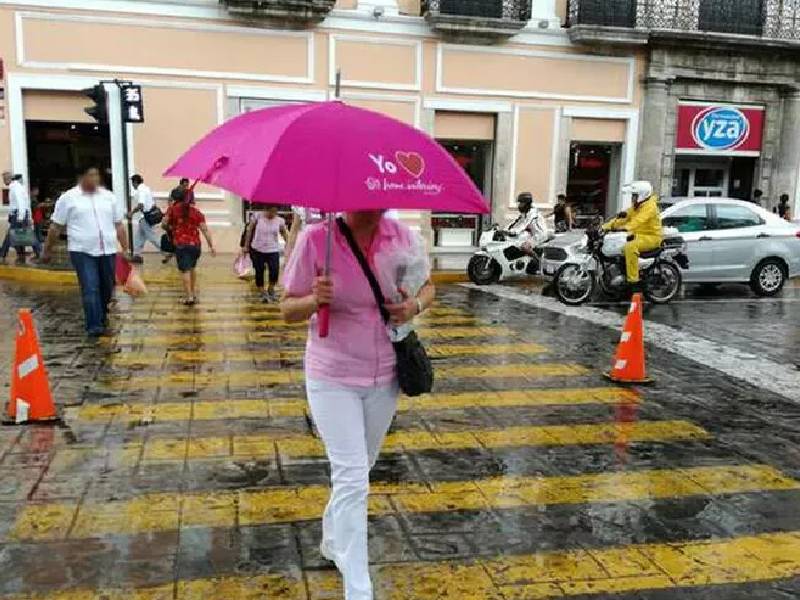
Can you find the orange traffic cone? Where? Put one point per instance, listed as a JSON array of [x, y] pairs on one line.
[[30, 391], [628, 366]]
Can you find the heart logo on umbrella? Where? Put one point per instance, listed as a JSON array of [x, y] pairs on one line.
[[412, 162]]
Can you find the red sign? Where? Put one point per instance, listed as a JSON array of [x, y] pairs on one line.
[[719, 129]]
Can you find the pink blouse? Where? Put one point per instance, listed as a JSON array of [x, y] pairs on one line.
[[357, 351]]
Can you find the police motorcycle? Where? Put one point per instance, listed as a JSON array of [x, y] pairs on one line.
[[512, 252], [599, 263]]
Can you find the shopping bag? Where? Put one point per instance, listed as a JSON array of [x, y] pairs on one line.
[[122, 269], [134, 285], [21, 236], [243, 266]]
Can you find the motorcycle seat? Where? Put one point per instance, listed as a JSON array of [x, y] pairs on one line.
[[651, 253]]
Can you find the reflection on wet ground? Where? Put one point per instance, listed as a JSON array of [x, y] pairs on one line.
[[188, 466]]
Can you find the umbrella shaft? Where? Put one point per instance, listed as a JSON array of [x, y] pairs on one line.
[[329, 245]]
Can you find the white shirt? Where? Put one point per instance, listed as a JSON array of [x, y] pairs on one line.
[[90, 220], [144, 196], [18, 200]]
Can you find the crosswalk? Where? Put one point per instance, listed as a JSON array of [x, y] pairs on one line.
[[219, 388]]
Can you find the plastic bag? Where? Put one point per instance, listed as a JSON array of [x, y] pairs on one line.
[[406, 268], [243, 266], [122, 269], [134, 285]]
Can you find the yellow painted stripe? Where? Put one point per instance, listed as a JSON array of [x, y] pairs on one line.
[[133, 359], [249, 324], [294, 407], [295, 376], [679, 565], [168, 511], [292, 445], [167, 312], [427, 334]]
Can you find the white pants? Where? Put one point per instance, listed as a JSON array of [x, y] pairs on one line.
[[352, 422], [142, 233]]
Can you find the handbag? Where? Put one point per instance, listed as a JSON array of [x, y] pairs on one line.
[[154, 216], [414, 367], [21, 236], [166, 244]]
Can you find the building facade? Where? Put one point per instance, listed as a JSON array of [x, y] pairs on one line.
[[498, 82], [721, 104]]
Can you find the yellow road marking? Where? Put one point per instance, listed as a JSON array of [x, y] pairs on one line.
[[293, 445], [167, 312], [295, 376], [249, 324], [752, 559], [295, 407], [166, 511], [132, 359], [426, 333]]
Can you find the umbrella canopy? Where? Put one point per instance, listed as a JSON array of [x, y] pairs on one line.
[[332, 157]]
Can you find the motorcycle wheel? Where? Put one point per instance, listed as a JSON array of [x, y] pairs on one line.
[[573, 285], [662, 282], [483, 270]]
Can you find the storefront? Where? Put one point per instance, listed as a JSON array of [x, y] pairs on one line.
[[717, 149], [516, 123]]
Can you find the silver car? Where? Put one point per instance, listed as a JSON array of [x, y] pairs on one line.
[[732, 241], [728, 241]]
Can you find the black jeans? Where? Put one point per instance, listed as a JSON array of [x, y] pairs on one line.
[[96, 279], [263, 261]]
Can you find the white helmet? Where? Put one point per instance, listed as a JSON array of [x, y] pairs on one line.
[[641, 189]]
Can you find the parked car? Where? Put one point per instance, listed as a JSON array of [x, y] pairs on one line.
[[728, 241]]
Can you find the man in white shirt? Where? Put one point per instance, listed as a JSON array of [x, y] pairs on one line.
[[20, 215], [143, 204], [93, 220]]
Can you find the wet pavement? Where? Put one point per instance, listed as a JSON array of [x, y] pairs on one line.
[[187, 465]]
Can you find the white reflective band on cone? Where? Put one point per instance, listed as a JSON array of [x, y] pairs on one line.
[[632, 308], [22, 411], [28, 366], [626, 335], [620, 365]]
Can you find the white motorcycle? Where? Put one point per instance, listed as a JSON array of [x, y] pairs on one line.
[[501, 256]]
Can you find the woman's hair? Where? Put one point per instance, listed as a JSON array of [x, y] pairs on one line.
[[187, 206]]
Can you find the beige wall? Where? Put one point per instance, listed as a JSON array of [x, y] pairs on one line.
[[464, 126], [562, 10], [175, 119], [400, 110], [597, 130], [63, 42], [41, 105], [390, 62], [534, 157], [7, 53], [409, 7], [549, 74]]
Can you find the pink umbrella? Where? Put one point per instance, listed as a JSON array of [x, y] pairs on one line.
[[332, 157]]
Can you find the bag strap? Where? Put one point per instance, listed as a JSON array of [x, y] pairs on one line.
[[362, 261]]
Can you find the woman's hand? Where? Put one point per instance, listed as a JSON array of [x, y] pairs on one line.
[[322, 290], [403, 311]]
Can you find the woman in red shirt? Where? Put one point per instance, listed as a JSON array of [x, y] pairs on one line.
[[185, 223]]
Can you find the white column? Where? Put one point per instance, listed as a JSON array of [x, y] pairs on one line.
[[544, 10], [115, 126], [387, 7]]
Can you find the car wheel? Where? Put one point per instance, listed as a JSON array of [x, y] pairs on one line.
[[768, 278], [483, 270]]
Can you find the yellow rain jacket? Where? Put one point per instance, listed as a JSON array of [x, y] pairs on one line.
[[644, 225]]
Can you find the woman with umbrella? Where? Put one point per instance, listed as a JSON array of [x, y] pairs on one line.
[[350, 375], [335, 159]]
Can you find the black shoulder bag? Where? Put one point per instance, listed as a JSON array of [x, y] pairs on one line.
[[414, 368]]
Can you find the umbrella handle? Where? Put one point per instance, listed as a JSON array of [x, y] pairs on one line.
[[324, 320]]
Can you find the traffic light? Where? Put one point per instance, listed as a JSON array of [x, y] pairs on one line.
[[99, 112]]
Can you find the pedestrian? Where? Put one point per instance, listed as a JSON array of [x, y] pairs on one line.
[[146, 217], [784, 212], [93, 221], [263, 245], [184, 223], [758, 196], [351, 379], [562, 214], [179, 190], [301, 216], [20, 218]]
